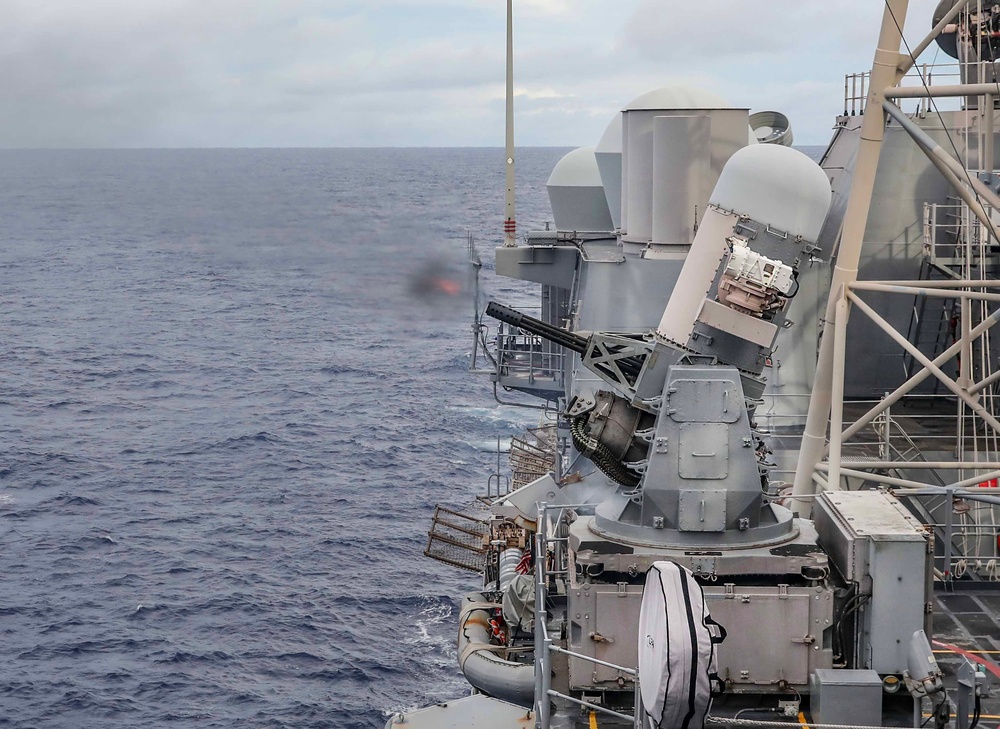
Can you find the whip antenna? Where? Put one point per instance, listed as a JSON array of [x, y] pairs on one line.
[[509, 226]]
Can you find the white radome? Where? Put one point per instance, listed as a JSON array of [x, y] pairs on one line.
[[778, 186], [577, 195], [576, 169]]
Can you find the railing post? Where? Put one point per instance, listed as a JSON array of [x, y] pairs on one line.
[[924, 103], [934, 231], [546, 684], [888, 426], [637, 704], [949, 507], [541, 656], [988, 154]]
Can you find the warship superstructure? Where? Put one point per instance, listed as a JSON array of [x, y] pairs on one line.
[[763, 489]]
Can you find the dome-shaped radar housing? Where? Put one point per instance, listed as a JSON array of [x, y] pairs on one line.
[[778, 186], [577, 195], [678, 97], [947, 41]]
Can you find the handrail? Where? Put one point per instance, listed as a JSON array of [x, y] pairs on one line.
[[521, 356], [856, 85], [598, 661], [595, 707]]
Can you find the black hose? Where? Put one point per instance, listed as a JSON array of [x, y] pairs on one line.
[[850, 608], [795, 278]]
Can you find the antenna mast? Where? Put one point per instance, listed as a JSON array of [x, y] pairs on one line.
[[509, 226]]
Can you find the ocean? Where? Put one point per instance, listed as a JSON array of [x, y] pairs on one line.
[[231, 396]]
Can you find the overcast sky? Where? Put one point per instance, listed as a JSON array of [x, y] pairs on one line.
[[292, 73]]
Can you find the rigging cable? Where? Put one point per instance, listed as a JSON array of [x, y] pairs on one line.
[[933, 104]]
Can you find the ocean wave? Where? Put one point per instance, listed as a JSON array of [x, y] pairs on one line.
[[226, 426]]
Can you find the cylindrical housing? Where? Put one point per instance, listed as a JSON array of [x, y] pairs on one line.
[[771, 127], [609, 163], [772, 188], [728, 132], [681, 159], [509, 559]]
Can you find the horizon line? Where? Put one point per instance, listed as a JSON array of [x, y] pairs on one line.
[[306, 147]]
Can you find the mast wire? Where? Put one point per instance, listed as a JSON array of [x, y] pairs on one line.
[[933, 104]]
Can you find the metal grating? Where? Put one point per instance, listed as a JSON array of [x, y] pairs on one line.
[[458, 538], [532, 455]]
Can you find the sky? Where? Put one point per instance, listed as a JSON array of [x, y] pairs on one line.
[[336, 73]]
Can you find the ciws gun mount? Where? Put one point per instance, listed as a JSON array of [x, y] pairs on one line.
[[675, 428], [664, 398]]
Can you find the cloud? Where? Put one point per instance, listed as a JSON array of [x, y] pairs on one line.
[[406, 72]]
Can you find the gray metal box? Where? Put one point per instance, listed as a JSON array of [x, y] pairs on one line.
[[879, 546], [603, 624], [848, 697], [795, 616]]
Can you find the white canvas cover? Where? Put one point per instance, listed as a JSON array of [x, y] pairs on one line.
[[519, 604], [677, 639]]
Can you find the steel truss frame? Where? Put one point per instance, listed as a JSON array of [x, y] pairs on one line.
[[826, 407]]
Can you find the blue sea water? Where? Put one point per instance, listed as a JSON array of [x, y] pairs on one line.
[[228, 403]]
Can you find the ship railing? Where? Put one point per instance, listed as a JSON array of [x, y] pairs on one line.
[[898, 446], [922, 424], [855, 92], [968, 530], [955, 242], [783, 415], [532, 455], [526, 361], [857, 86], [546, 537], [956, 497]]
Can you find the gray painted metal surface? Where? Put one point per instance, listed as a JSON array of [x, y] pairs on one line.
[[847, 697], [481, 712], [878, 546]]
